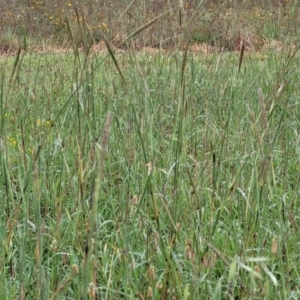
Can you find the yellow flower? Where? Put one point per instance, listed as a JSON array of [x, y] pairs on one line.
[[12, 141], [103, 25]]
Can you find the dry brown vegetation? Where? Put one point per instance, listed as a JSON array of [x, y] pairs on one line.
[[40, 24]]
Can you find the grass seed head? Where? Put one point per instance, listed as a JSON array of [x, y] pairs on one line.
[[151, 273], [75, 269], [92, 290], [274, 246], [149, 167], [189, 252], [149, 292]]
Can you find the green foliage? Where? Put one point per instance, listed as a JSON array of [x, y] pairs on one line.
[[150, 175], [195, 198]]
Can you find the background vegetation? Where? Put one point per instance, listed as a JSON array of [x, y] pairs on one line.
[[173, 22], [162, 174]]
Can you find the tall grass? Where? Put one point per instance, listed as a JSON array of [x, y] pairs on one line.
[[149, 176], [176, 180]]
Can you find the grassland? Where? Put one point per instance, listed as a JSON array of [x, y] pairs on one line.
[[165, 174]]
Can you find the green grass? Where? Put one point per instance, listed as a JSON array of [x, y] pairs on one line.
[[195, 197]]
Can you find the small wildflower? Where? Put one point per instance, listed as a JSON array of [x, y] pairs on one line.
[[12, 141], [104, 26]]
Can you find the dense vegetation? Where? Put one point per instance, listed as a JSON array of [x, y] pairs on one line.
[[158, 174]]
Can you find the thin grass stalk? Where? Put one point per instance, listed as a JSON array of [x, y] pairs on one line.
[[92, 218]]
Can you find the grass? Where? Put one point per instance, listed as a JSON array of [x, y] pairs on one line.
[[196, 196], [223, 24], [142, 175]]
